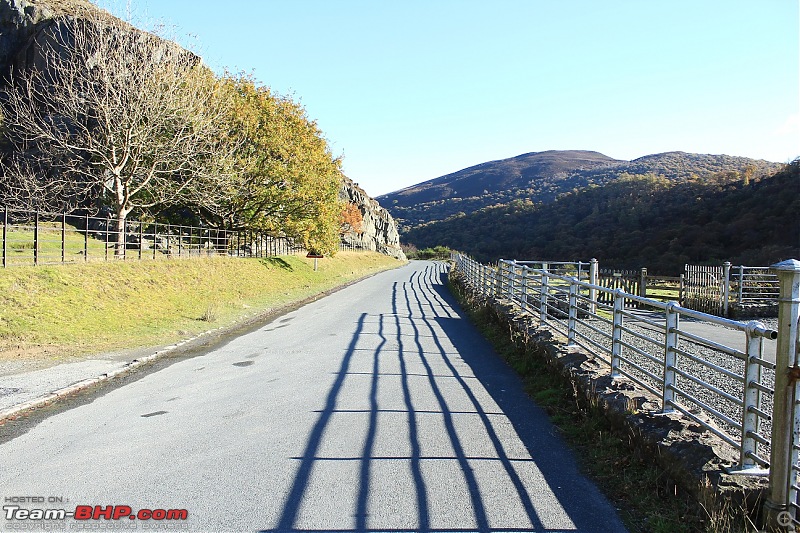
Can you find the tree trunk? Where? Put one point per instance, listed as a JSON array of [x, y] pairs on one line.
[[119, 247]]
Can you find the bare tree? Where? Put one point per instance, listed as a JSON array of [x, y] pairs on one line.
[[107, 112]]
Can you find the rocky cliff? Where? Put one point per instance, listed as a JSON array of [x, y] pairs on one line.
[[26, 26], [378, 231], [22, 22]]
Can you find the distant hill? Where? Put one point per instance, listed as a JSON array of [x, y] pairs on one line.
[[541, 177], [641, 220]]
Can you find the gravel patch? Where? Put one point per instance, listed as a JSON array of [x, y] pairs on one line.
[[699, 363]]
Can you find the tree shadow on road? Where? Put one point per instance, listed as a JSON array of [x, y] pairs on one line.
[[438, 368]]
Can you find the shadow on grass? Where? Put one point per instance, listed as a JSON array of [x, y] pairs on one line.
[[277, 262]]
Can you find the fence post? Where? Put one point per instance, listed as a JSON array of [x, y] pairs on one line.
[[485, 287], [512, 278], [493, 281], [481, 279], [524, 289], [5, 236], [726, 286], [545, 289], [573, 311], [670, 356], [741, 285], [36, 240], [498, 293], [498, 278], [616, 331], [593, 281], [108, 225], [63, 237], [155, 239], [643, 283], [785, 426], [86, 240], [751, 397], [141, 240]]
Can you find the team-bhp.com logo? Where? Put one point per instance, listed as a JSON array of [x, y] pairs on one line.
[[97, 512], [15, 513]]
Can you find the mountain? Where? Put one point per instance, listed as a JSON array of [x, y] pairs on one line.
[[639, 221], [541, 177], [502, 175]]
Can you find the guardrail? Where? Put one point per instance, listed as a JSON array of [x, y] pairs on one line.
[[729, 388]]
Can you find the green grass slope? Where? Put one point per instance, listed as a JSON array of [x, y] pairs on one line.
[[56, 312]]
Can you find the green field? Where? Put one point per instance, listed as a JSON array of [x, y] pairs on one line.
[[62, 311], [20, 244]]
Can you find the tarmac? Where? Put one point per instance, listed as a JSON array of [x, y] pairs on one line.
[[23, 390]]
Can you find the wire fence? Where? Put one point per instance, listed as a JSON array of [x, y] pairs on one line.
[[37, 238]]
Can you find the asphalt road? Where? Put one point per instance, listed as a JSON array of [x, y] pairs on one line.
[[376, 408]]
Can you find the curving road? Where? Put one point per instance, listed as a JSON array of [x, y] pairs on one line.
[[376, 408]]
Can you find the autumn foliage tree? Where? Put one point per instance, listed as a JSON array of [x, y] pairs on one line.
[[351, 219], [286, 181]]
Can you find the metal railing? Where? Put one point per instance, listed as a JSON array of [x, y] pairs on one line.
[[753, 284], [37, 238], [714, 289], [724, 384]]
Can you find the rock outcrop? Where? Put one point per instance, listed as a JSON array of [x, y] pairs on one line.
[[28, 26], [22, 22], [379, 230]]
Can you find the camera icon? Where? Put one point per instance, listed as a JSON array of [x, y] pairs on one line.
[[784, 518]]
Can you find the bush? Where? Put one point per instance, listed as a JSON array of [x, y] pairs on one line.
[[437, 252]]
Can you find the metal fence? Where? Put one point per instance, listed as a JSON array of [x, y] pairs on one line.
[[715, 289], [36, 238], [725, 385], [753, 284]]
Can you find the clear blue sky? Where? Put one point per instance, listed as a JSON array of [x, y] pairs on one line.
[[409, 90]]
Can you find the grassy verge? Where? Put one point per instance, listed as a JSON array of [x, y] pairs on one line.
[[648, 500], [62, 311]]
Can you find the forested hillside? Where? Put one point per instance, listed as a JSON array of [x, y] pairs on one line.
[[541, 177], [639, 220]]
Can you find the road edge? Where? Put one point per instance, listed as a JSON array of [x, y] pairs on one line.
[[212, 335]]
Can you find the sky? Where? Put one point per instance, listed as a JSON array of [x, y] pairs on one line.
[[410, 90]]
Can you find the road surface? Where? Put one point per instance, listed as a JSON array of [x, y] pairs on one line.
[[376, 408]]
